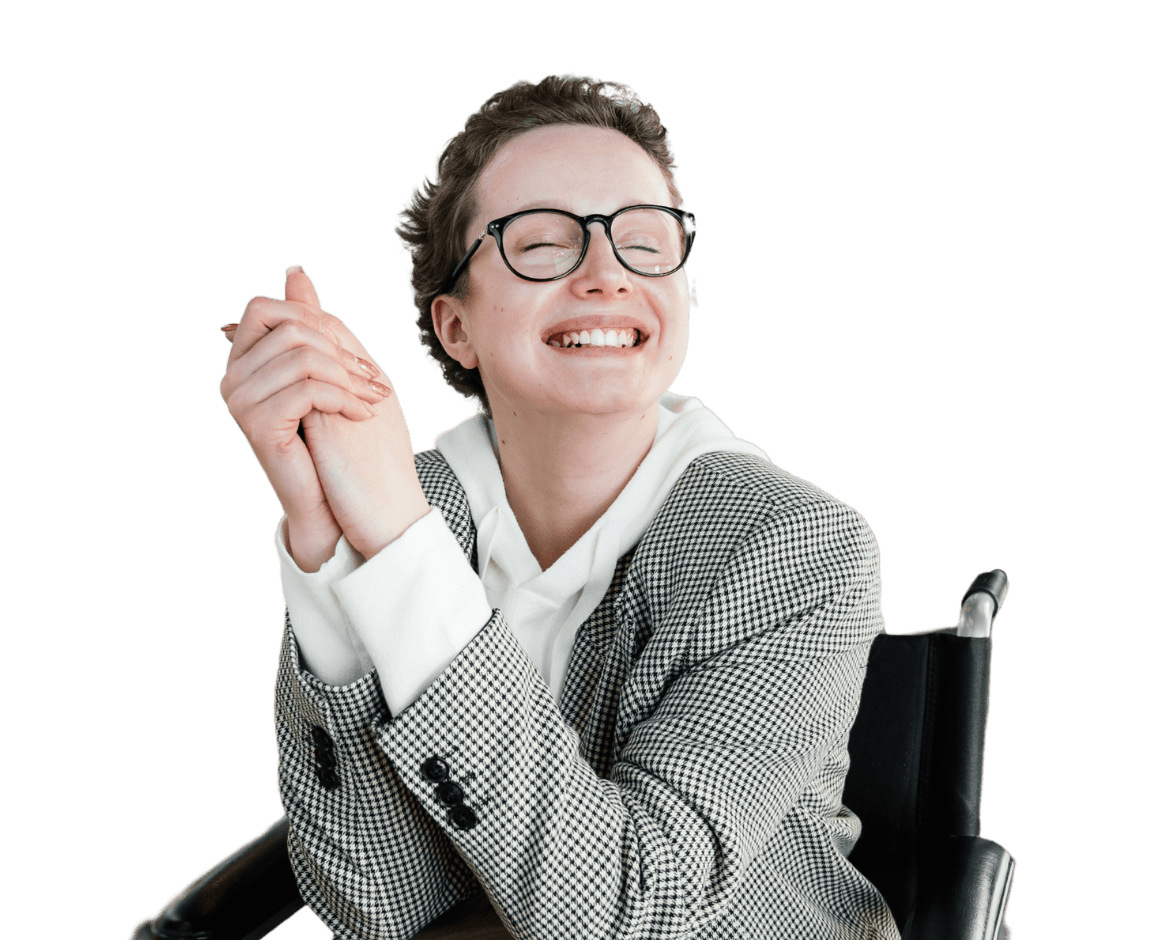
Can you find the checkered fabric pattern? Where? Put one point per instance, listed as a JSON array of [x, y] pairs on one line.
[[688, 785]]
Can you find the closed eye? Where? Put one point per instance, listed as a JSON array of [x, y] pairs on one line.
[[536, 245]]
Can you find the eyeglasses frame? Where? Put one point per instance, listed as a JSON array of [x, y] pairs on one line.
[[495, 229]]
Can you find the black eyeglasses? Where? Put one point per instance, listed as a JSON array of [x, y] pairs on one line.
[[548, 244]]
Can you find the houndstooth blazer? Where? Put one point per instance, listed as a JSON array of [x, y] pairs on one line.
[[689, 783]]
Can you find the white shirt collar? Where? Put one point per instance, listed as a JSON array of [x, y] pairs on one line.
[[545, 608]]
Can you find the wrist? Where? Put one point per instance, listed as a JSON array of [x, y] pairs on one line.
[[311, 543], [391, 523]]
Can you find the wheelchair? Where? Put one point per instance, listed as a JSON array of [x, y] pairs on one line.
[[915, 781]]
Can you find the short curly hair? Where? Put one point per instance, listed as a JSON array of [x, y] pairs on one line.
[[435, 223]]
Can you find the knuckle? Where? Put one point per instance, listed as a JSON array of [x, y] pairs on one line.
[[296, 331], [306, 358], [254, 307], [333, 328]]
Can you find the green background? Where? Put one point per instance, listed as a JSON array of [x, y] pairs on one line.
[[927, 274]]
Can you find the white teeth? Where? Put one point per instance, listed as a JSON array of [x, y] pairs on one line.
[[597, 337]]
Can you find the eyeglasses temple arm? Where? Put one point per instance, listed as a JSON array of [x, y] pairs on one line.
[[463, 264]]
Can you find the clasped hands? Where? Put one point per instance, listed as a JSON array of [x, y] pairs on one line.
[[352, 472]]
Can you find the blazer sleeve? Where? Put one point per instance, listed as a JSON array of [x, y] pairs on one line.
[[738, 703], [368, 858]]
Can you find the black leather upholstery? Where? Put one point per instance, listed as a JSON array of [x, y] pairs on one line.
[[243, 898], [963, 890], [915, 781]]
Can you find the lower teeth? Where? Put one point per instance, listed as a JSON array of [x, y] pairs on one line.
[[571, 345]]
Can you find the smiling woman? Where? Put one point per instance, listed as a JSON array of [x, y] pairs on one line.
[[587, 669]]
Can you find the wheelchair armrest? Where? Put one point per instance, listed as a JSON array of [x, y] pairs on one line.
[[242, 898], [963, 890]]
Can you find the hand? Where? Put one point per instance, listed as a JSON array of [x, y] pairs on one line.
[[366, 468], [287, 367]]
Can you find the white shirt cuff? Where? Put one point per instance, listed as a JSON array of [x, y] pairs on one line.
[[415, 605], [328, 647]]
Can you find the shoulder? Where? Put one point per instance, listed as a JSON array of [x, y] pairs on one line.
[[727, 503], [445, 493], [744, 544]]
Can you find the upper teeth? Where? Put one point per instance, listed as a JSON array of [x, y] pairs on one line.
[[596, 337]]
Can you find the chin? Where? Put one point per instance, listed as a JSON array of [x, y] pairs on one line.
[[609, 402]]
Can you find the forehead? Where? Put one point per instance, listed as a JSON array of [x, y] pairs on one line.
[[581, 169]]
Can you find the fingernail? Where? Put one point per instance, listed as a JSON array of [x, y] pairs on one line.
[[367, 367], [374, 413], [294, 269], [380, 388], [229, 327]]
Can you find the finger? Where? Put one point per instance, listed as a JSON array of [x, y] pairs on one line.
[[300, 289], [275, 421], [344, 338], [289, 335], [361, 370], [292, 367], [264, 314]]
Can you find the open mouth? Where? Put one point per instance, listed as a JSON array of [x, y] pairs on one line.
[[592, 338]]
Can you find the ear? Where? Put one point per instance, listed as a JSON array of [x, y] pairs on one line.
[[447, 315]]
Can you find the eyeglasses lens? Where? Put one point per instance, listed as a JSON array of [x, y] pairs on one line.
[[545, 245]]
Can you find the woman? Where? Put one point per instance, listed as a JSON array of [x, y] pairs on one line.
[[593, 654]]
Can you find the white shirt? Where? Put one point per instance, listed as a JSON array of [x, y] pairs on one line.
[[413, 607]]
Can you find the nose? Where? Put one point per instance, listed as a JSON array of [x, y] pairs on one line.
[[600, 273]]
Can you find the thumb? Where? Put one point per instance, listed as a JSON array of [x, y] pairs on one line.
[[299, 288]]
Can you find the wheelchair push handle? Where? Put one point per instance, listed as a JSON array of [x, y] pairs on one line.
[[981, 603]]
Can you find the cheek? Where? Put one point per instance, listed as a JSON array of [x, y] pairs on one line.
[[678, 318], [679, 337]]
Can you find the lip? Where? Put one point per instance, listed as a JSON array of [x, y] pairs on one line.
[[597, 322]]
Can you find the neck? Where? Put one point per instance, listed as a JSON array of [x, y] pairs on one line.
[[561, 475]]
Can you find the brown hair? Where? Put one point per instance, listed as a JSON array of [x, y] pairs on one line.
[[435, 224]]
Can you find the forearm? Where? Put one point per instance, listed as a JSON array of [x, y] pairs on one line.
[[696, 793], [374, 822], [368, 860]]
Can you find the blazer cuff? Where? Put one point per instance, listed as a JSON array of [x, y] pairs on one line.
[[305, 699], [464, 722]]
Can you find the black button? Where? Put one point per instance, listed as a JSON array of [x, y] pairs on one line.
[[449, 793], [321, 738], [462, 817], [328, 777], [435, 769], [324, 756]]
